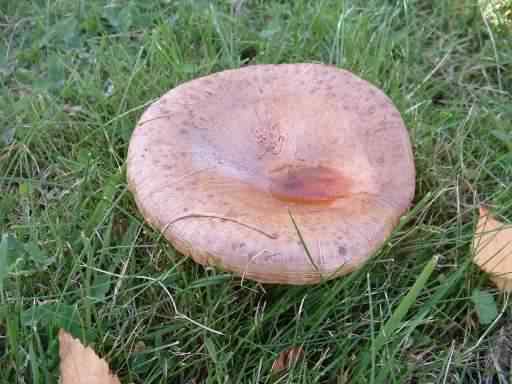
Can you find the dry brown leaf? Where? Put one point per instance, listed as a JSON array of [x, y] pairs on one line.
[[492, 244], [81, 365], [287, 358]]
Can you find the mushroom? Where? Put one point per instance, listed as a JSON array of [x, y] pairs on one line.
[[288, 173]]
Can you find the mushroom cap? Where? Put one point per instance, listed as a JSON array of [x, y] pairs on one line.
[[287, 173]]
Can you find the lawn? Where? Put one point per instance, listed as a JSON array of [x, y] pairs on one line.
[[76, 75]]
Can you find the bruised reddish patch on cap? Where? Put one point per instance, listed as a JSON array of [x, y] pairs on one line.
[[308, 185]]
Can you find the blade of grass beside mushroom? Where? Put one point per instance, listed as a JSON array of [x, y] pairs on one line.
[[274, 157], [492, 246]]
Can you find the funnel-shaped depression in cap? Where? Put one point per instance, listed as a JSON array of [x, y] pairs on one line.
[[223, 163]]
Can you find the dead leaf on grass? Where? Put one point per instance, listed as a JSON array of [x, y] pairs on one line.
[[287, 359], [81, 365], [492, 245]]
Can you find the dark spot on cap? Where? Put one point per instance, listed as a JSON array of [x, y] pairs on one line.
[[293, 183], [342, 251]]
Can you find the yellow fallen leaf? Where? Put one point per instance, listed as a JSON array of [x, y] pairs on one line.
[[287, 358], [81, 365], [492, 244]]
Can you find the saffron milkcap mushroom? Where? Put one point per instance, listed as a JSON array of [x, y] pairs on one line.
[[287, 173]]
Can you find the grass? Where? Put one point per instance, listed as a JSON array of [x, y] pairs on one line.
[[74, 252]]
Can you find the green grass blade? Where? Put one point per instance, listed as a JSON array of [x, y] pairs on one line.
[[395, 321]]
